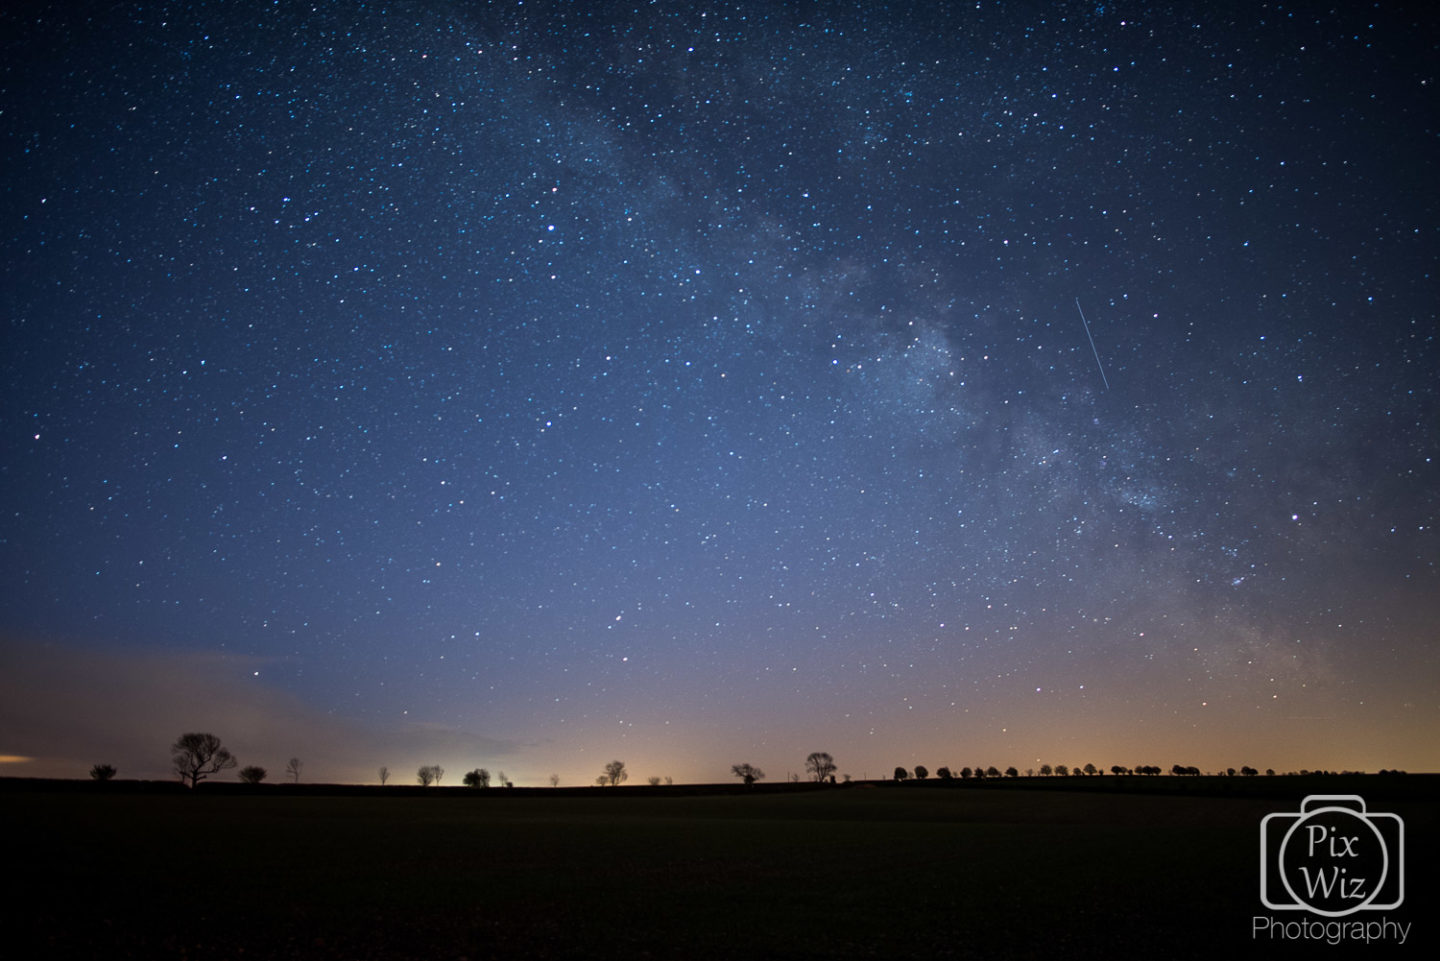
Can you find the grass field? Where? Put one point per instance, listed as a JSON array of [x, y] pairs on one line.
[[842, 873]]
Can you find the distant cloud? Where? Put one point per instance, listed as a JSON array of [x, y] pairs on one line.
[[63, 709]]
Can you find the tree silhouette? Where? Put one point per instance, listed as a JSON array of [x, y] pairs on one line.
[[615, 773], [477, 778], [1046, 770], [384, 774], [554, 780], [197, 756], [820, 765], [102, 772], [901, 774], [1248, 771], [1118, 769], [252, 774], [429, 774], [921, 772], [747, 772], [992, 771], [1011, 772], [1090, 769], [1062, 771], [965, 773], [943, 773], [292, 768], [654, 780]]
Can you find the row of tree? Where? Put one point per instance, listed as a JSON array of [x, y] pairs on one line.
[[196, 756], [1060, 770]]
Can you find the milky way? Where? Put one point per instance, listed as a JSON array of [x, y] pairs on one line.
[[540, 384]]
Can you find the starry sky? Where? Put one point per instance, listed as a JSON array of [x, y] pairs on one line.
[[527, 385]]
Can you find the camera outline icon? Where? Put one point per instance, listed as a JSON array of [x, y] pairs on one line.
[[1318, 826]]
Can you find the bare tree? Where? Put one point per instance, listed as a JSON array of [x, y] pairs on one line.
[[429, 774], [501, 780], [615, 773], [747, 772], [820, 765], [197, 756], [102, 772], [252, 774], [554, 780], [384, 774], [292, 768], [654, 780]]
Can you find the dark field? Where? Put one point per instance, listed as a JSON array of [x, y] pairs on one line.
[[884, 871]]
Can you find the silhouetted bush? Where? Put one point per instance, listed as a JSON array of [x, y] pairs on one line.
[[747, 772]]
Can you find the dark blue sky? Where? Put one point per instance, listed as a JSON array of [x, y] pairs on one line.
[[531, 385]]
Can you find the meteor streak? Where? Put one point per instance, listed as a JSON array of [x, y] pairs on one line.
[[1103, 378]]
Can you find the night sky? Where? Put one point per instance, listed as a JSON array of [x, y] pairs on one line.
[[530, 385]]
